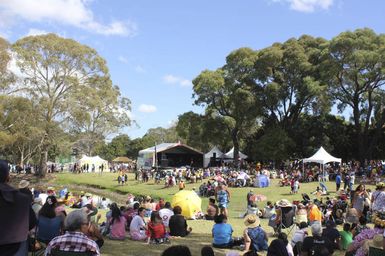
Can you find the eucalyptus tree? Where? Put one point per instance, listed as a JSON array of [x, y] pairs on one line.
[[227, 94], [288, 81], [354, 67], [6, 76], [65, 78]]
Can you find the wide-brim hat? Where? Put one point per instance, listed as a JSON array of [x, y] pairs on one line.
[[377, 241], [251, 221], [23, 184], [284, 203]]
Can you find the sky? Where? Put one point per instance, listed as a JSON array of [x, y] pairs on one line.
[[154, 49]]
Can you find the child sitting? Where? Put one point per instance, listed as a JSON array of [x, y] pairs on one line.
[[156, 231], [252, 209]]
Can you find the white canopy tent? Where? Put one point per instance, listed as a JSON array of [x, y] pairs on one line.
[[95, 161], [322, 157], [230, 154], [215, 150]]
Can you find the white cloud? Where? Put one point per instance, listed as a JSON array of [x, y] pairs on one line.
[[171, 79], [35, 32], [123, 59], [140, 69], [307, 5], [185, 83], [68, 12], [147, 108]]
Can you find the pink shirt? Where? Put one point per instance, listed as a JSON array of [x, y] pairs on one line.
[[118, 228]]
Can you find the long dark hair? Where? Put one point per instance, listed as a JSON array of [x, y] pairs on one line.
[[155, 217], [277, 248], [48, 209], [116, 214]]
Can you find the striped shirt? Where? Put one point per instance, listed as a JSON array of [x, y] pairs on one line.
[[74, 242]]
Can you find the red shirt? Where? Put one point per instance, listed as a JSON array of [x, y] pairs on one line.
[[156, 230]]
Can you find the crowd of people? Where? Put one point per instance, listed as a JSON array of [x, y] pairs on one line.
[[50, 226]]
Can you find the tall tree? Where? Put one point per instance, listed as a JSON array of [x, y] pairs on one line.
[[226, 93], [58, 72], [288, 80], [6, 76], [21, 132], [355, 70]]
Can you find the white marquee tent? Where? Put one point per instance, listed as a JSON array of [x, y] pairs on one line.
[[322, 157], [230, 154], [208, 155], [93, 160]]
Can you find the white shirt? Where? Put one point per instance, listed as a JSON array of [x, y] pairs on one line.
[[43, 197], [84, 201], [299, 236], [137, 223], [104, 204], [166, 214], [289, 249]]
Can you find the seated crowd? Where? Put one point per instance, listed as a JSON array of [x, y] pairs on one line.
[[41, 220]]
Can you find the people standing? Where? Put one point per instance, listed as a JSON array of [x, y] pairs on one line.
[[16, 216], [338, 181], [223, 198]]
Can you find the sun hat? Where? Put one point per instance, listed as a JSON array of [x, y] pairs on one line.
[[284, 203], [380, 185], [23, 184], [251, 221], [377, 241], [88, 194]]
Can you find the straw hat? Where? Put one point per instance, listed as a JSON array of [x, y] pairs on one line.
[[23, 184], [284, 203], [251, 221], [377, 241]]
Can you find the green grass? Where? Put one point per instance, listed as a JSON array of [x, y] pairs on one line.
[[107, 186]]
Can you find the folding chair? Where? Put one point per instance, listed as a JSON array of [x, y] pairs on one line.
[[373, 251], [287, 220]]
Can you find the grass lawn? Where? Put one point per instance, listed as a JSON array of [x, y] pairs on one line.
[[107, 185]]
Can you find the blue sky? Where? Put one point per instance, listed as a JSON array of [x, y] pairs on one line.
[[154, 49]]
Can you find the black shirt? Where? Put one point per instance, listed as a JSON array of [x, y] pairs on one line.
[[332, 234], [317, 246], [178, 225]]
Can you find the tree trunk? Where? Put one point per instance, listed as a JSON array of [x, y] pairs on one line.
[[43, 161], [358, 131], [234, 137], [22, 158]]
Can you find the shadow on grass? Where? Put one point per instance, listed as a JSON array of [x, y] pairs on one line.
[[128, 247]]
